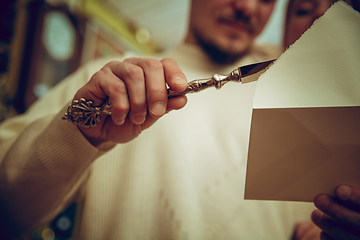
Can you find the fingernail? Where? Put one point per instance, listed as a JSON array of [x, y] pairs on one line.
[[120, 121], [343, 192], [316, 216], [179, 81], [158, 109], [139, 118], [322, 202]]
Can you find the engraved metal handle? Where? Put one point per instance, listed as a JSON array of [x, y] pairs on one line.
[[217, 80]]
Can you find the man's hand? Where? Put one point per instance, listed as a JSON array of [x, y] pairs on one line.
[[138, 94], [339, 216]]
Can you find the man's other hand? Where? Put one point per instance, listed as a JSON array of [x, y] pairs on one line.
[[339, 216]]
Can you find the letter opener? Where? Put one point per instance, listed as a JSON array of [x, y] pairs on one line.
[[244, 74], [83, 113]]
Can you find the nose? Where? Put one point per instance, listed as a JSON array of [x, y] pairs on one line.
[[248, 7]]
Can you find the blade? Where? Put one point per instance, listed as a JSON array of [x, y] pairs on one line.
[[250, 73]]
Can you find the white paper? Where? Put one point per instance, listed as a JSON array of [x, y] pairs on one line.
[[305, 132], [321, 69]]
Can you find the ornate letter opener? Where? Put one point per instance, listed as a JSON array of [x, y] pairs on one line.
[[83, 113]]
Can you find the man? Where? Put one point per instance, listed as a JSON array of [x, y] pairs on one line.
[[183, 177]]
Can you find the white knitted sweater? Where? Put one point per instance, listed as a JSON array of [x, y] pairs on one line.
[[183, 178]]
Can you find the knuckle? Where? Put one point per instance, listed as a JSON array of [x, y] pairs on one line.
[[121, 108], [110, 64], [98, 75], [137, 104], [168, 61], [130, 59], [118, 88], [156, 91], [152, 63], [133, 72]]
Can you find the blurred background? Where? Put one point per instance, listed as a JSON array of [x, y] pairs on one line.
[[42, 41]]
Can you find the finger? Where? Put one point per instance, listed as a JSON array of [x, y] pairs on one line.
[[104, 84], [334, 229], [176, 103], [175, 78], [324, 236], [301, 229], [118, 99], [173, 104], [312, 233], [134, 79], [337, 211], [349, 196], [156, 93]]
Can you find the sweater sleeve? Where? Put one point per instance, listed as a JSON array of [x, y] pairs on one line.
[[43, 159]]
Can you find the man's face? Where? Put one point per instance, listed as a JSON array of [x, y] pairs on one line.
[[229, 26]]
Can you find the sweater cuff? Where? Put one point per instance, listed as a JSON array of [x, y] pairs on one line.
[[64, 151]]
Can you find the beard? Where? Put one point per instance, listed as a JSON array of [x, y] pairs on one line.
[[227, 55], [217, 54]]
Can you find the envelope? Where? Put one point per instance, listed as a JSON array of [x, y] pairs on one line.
[[305, 130]]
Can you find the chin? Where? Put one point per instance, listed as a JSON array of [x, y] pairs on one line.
[[236, 48], [224, 54], [236, 43], [226, 48]]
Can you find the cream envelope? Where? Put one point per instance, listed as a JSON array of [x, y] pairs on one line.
[[305, 131]]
